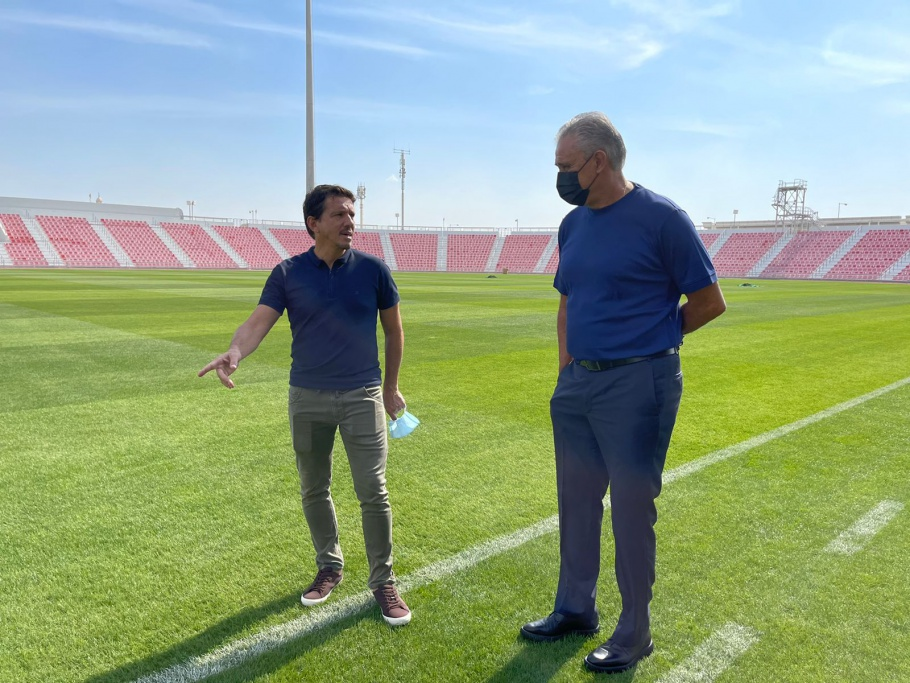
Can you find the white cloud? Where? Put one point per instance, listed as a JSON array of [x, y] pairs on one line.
[[721, 130], [679, 16], [556, 35], [539, 90], [870, 55], [190, 10], [243, 105], [139, 33]]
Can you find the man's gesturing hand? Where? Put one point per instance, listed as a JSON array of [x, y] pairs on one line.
[[224, 365]]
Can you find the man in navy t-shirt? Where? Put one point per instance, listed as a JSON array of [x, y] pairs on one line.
[[626, 256], [333, 294]]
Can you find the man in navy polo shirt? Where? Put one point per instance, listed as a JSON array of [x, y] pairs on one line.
[[627, 255], [333, 294]]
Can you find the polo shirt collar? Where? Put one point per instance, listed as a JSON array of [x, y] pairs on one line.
[[316, 261]]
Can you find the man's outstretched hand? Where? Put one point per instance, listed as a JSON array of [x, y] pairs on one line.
[[224, 366]]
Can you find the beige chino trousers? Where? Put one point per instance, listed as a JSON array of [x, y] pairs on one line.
[[315, 415]]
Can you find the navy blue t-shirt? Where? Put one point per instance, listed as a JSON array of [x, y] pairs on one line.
[[333, 317], [623, 269]]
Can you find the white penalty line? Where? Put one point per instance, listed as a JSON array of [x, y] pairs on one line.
[[244, 649], [855, 538], [714, 656]]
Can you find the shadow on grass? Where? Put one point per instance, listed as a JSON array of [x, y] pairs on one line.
[[540, 662], [204, 642]]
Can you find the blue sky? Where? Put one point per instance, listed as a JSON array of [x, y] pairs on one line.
[[160, 101]]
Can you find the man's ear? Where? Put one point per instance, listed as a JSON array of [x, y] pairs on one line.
[[602, 161]]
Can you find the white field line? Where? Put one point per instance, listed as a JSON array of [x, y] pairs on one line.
[[854, 538], [244, 649], [762, 439], [714, 656]]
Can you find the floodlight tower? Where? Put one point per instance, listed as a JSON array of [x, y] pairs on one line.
[[310, 153], [790, 206], [401, 174], [361, 193]]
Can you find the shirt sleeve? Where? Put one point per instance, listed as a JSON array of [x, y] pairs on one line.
[[274, 294], [684, 254], [387, 296], [558, 282]]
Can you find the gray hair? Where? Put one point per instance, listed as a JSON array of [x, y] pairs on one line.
[[593, 131]]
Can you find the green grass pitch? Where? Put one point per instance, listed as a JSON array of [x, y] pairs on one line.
[[149, 517]]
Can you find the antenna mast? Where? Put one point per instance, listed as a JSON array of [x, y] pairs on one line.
[[401, 174], [361, 193]]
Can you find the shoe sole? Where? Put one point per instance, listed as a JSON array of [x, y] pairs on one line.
[[596, 668], [309, 602], [397, 621], [540, 638]]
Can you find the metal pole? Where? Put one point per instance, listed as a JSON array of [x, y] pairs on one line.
[[310, 151]]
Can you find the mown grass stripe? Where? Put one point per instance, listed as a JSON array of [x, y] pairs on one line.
[[244, 649], [714, 656], [857, 536], [760, 440]]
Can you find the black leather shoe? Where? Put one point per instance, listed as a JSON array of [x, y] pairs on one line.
[[558, 626], [610, 658]]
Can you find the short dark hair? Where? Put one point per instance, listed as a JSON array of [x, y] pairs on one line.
[[314, 202]]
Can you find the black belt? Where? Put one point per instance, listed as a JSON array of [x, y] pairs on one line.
[[598, 365]]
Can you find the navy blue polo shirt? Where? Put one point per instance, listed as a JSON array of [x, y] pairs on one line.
[[333, 317], [623, 269]]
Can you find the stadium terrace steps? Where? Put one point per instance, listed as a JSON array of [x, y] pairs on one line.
[[872, 256], [276, 245], [521, 253], [741, 252], [21, 247], [249, 244], [899, 267], [173, 247], [708, 239], [142, 244], [76, 242], [719, 242], [903, 276], [388, 250], [547, 254], [494, 254], [113, 246], [442, 253], [553, 264], [868, 252], [199, 245], [293, 241], [225, 247], [838, 254], [775, 249], [805, 253]]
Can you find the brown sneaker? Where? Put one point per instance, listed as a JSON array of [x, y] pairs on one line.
[[394, 611], [323, 585]]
